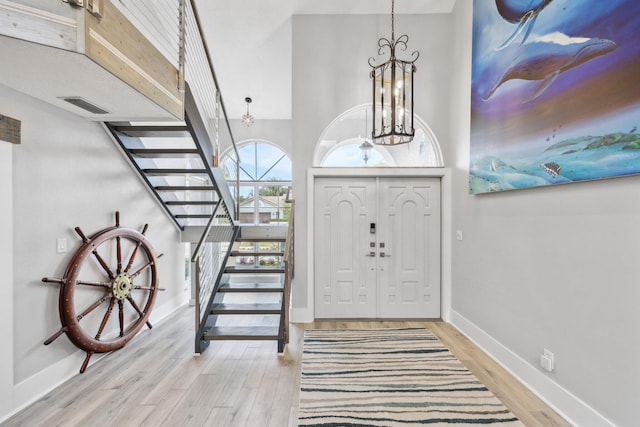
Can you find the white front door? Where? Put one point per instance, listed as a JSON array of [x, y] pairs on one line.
[[409, 238], [377, 247], [344, 286]]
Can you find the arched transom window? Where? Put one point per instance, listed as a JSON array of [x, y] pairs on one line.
[[341, 144]]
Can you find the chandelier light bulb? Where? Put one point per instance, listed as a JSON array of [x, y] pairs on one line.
[[247, 119]]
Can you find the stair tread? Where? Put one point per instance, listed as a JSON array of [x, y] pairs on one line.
[[251, 287], [164, 152], [261, 239], [257, 253], [247, 308], [242, 333], [184, 188], [157, 131], [253, 269], [165, 171], [189, 203]]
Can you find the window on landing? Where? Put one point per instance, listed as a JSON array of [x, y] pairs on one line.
[[265, 179]]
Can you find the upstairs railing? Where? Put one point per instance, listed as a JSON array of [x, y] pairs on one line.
[[199, 68], [175, 29]]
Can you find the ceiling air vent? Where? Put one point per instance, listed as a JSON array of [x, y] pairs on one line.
[[84, 104]]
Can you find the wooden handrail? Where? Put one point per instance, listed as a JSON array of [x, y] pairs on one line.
[[288, 247], [288, 272]]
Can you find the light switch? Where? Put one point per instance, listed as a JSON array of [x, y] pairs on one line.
[[61, 245], [459, 235]]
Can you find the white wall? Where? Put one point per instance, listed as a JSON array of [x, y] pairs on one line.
[[331, 75], [275, 131], [6, 266], [67, 172], [553, 268]]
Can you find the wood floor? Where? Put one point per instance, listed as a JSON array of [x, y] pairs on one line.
[[157, 381]]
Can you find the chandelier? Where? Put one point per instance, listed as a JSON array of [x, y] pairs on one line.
[[366, 146], [247, 119], [393, 92]]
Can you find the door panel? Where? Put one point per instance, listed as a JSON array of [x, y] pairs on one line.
[[409, 222], [392, 273], [344, 282]]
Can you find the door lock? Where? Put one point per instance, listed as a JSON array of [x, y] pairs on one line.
[[371, 254], [383, 255]]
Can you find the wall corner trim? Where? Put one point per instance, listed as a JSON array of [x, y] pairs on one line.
[[301, 315], [569, 406]]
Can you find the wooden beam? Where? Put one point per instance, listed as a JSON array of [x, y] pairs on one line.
[[56, 27], [116, 44], [10, 129]]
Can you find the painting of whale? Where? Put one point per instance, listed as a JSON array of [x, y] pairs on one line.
[[524, 13], [558, 102], [545, 58]]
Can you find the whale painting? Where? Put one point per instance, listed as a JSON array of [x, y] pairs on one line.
[[523, 13], [555, 92], [544, 59]]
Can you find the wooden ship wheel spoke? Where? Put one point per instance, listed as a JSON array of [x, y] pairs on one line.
[[95, 281]]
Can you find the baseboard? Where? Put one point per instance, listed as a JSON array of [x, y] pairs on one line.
[[168, 308], [569, 406], [301, 315], [33, 388]]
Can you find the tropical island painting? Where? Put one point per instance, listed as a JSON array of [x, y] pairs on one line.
[[555, 92]]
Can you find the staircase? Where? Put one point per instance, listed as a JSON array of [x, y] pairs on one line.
[[250, 300], [234, 299], [242, 274], [175, 161]]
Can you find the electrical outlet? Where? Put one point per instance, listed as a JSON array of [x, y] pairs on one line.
[[547, 361], [459, 235]]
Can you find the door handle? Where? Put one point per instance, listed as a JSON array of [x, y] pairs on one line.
[[383, 255], [371, 254]]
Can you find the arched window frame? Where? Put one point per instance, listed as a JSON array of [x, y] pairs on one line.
[[393, 156], [252, 186]]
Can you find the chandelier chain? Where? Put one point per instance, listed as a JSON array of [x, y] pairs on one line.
[[392, 21]]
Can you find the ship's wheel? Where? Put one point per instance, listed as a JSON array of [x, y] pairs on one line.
[[115, 267]]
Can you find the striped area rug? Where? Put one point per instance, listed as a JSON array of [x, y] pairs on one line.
[[390, 377]]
